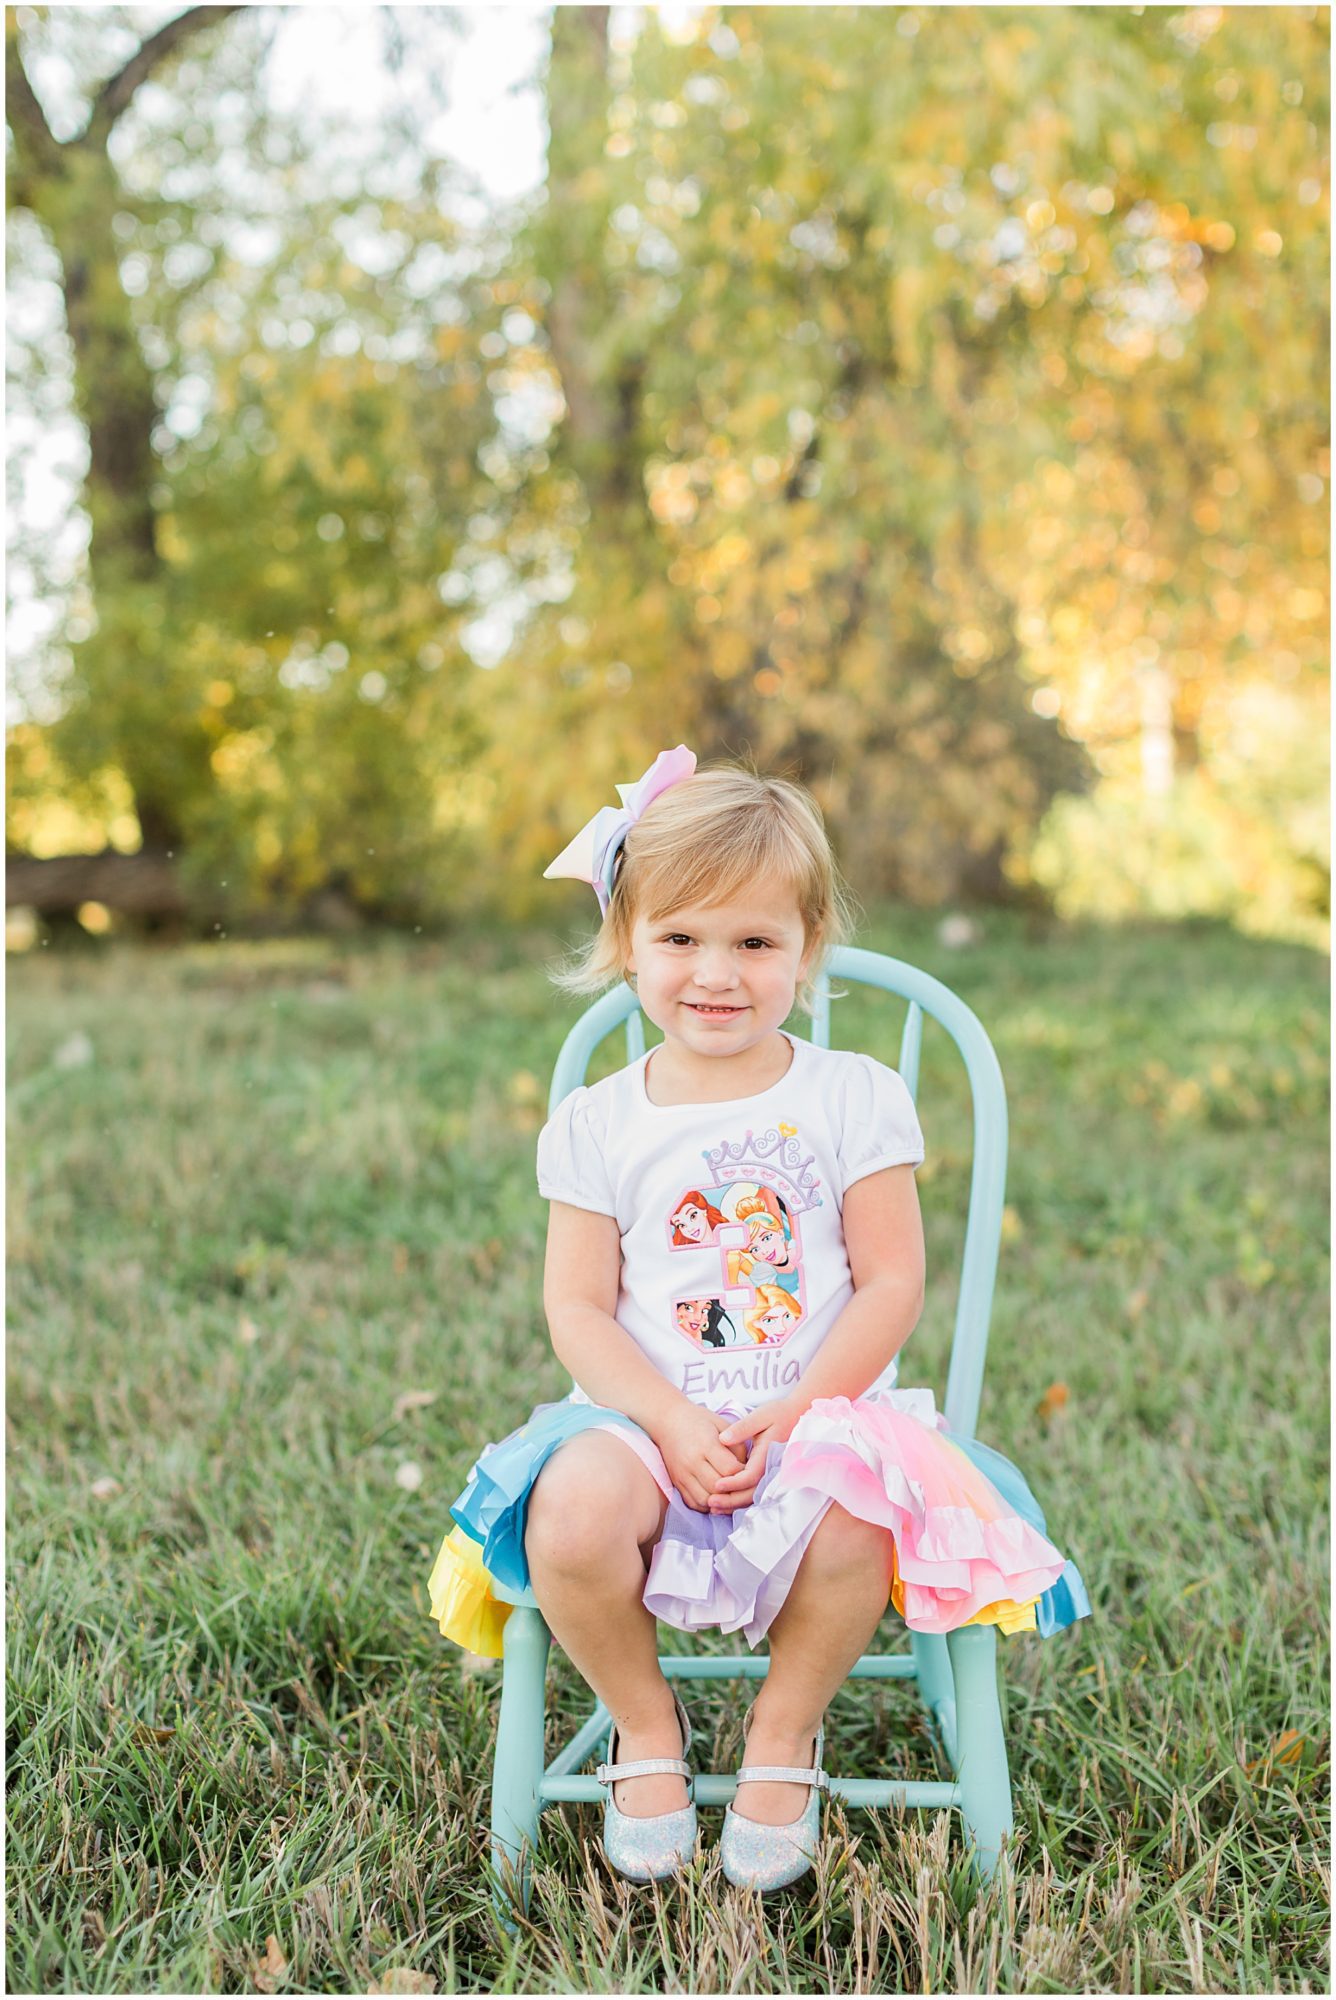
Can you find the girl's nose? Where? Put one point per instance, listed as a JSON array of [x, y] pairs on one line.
[[716, 974]]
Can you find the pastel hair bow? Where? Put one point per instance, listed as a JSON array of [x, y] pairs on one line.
[[592, 855]]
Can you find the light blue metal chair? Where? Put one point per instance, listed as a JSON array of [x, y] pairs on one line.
[[956, 1675]]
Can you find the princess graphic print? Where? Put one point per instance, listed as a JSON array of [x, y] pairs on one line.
[[734, 1266], [754, 1296]]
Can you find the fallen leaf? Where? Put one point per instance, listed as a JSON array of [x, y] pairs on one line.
[[275, 1966], [409, 1476], [1137, 1303], [1053, 1398], [401, 1979], [413, 1399], [145, 1732], [102, 1489], [247, 1331], [1287, 1748]]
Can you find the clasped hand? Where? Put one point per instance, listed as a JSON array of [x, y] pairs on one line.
[[706, 1454]]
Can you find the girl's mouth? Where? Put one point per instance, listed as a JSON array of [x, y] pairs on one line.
[[714, 1013]]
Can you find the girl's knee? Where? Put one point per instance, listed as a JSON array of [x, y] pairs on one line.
[[847, 1547], [581, 1511]]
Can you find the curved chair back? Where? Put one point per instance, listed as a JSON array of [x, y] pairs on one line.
[[926, 995]]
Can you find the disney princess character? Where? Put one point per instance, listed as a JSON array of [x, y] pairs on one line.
[[773, 1317], [692, 1316], [695, 1219], [770, 1246], [705, 1322]]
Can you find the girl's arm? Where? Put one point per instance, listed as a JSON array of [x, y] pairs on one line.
[[581, 1280], [883, 1234]]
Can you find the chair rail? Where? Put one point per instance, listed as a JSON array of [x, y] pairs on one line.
[[718, 1788]]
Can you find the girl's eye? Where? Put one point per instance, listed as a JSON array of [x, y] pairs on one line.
[[680, 937]]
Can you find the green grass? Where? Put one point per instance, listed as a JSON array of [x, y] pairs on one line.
[[294, 1183]]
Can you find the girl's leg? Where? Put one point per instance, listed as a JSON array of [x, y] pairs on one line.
[[594, 1515], [842, 1588]]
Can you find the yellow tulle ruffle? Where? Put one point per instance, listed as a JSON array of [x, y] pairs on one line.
[[462, 1603]]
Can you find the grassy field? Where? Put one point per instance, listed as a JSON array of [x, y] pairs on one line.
[[274, 1248]]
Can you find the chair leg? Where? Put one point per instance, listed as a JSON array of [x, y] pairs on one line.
[[981, 1750], [937, 1691], [518, 1767]]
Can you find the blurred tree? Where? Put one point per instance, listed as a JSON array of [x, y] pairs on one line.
[[318, 333], [1173, 590], [902, 383], [73, 188], [926, 402]]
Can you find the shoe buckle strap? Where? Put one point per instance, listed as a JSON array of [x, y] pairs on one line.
[[644, 1767], [783, 1774]]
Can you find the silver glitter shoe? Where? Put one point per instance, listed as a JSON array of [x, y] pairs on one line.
[[770, 1857], [653, 1849]]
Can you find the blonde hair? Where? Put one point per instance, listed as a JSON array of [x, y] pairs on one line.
[[703, 841], [768, 1299]]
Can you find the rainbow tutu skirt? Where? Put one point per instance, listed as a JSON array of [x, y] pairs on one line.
[[969, 1542]]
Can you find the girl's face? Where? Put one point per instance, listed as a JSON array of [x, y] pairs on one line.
[[692, 1221], [721, 979], [692, 1315]]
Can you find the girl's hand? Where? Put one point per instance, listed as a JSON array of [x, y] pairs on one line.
[[688, 1437], [769, 1424]]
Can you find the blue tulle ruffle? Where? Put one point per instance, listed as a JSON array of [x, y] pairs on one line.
[[1066, 1600], [493, 1505]]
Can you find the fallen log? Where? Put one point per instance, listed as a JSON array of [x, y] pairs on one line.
[[140, 885]]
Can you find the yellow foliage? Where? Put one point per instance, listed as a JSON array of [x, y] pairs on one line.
[[243, 760]]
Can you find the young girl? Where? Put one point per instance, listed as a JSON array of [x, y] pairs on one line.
[[781, 1486]]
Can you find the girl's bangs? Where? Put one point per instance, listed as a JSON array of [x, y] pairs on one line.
[[713, 871]]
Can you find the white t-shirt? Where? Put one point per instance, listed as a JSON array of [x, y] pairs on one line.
[[734, 1266]]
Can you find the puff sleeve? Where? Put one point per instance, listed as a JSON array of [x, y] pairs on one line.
[[571, 1164], [880, 1126]]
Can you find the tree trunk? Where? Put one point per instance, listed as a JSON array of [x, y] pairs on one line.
[[73, 189]]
